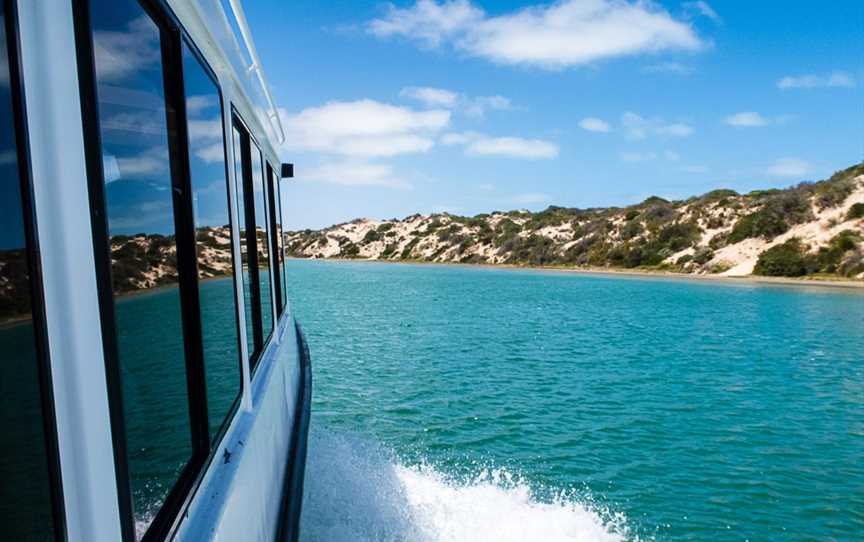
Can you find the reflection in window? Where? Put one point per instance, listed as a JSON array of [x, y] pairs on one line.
[[25, 495], [283, 239], [213, 240], [261, 229], [249, 308], [139, 201], [280, 240]]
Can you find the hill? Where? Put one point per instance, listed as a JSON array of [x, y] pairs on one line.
[[809, 229]]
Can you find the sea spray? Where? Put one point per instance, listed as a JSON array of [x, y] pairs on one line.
[[358, 491]]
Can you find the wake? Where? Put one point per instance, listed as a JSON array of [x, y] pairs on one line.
[[355, 491]]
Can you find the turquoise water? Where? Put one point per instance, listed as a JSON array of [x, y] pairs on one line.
[[455, 403]]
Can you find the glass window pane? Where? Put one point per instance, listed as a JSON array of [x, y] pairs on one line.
[[213, 236], [25, 495], [244, 249], [280, 240], [138, 193], [261, 232]]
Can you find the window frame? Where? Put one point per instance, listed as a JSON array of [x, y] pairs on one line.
[[277, 262], [248, 145], [187, 44], [9, 11], [173, 38]]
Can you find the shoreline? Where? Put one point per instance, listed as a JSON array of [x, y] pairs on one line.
[[838, 283]]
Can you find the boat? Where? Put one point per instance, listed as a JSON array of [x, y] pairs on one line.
[[155, 383]]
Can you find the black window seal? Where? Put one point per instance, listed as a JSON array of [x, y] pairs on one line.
[[34, 269]]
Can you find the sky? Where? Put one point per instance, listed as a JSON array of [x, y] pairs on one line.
[[472, 106]]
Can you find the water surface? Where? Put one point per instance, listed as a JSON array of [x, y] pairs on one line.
[[455, 403]]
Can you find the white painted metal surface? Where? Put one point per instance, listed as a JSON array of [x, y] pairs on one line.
[[71, 305], [239, 499]]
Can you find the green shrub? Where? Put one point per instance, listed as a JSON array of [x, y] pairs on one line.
[[830, 257], [371, 236], [718, 195], [349, 250], [445, 234], [631, 230], [856, 211], [678, 236], [406, 252], [703, 255], [835, 190], [775, 217], [786, 260], [390, 249]]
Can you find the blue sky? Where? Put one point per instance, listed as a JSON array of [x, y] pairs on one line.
[[474, 106]]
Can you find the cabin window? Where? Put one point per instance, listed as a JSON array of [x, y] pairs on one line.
[[209, 183], [27, 460], [139, 201], [282, 240], [252, 196], [262, 227], [252, 312], [277, 239]]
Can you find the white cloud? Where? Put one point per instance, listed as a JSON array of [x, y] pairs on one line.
[[638, 156], [197, 104], [211, 154], [700, 7], [514, 147], [137, 122], [119, 54], [142, 165], [636, 127], [431, 97], [649, 156], [565, 34], [477, 107], [354, 173], [789, 167], [363, 128], [427, 21], [593, 124], [836, 79], [472, 106], [746, 119], [668, 67], [459, 138], [205, 129], [477, 144]]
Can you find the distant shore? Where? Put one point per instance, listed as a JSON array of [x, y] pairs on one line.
[[823, 281]]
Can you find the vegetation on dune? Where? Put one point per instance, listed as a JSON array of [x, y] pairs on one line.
[[686, 236], [841, 256], [786, 260]]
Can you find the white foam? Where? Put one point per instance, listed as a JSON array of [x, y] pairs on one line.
[[355, 491]]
